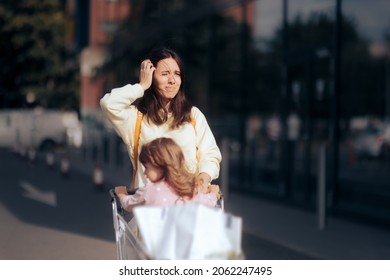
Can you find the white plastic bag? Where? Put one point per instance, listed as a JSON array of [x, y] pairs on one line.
[[190, 231]]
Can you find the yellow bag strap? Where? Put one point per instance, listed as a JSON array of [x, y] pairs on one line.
[[137, 133]]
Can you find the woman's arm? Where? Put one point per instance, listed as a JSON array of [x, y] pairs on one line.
[[114, 103], [116, 108], [209, 155]]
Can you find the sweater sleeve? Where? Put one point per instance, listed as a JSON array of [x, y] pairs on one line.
[[128, 202], [116, 107], [209, 155]]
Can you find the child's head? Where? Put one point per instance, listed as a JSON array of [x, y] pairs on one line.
[[164, 159]]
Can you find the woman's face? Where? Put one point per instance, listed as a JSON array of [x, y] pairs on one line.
[[166, 78], [153, 173]]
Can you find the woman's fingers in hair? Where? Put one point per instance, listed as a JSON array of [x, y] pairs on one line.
[[146, 65], [146, 74]]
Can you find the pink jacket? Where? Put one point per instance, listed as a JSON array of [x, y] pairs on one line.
[[160, 194]]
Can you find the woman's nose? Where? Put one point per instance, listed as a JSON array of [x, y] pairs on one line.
[[171, 79]]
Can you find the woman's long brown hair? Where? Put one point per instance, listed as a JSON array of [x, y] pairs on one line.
[[151, 104], [164, 153]]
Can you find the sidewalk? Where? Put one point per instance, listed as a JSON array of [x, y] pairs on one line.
[[290, 228], [297, 230]]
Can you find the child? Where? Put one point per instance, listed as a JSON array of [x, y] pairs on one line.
[[170, 181]]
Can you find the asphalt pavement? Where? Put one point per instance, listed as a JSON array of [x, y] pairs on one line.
[[47, 216]]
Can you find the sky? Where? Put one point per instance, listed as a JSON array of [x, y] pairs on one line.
[[372, 16]]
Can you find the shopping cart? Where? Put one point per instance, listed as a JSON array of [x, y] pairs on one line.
[[128, 242], [128, 239]]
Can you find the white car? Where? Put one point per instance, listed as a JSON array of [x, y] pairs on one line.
[[38, 128], [372, 142]]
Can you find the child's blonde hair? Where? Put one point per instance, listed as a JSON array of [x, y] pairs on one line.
[[164, 153]]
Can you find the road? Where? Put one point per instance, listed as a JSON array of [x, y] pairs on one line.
[[47, 216]]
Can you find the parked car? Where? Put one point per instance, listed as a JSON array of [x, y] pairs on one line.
[[38, 128], [372, 143]]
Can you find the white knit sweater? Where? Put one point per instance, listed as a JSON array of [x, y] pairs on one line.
[[117, 109]]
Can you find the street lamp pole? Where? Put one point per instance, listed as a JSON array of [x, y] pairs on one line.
[[244, 89], [285, 164], [334, 131]]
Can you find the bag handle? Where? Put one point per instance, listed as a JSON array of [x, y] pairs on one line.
[[137, 133]]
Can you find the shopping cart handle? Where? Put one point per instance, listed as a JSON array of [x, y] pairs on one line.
[[115, 200], [115, 197], [112, 194]]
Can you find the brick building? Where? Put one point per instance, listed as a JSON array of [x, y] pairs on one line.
[[104, 16]]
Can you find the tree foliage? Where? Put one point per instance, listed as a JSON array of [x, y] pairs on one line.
[[33, 56]]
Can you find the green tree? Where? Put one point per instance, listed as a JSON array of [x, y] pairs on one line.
[[33, 56]]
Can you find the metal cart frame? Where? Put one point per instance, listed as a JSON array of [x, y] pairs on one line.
[[128, 240]]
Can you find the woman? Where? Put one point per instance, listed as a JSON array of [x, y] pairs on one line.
[[165, 112], [170, 181]]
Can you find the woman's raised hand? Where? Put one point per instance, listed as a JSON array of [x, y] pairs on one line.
[[146, 74]]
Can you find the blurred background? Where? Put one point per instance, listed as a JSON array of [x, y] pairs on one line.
[[297, 92]]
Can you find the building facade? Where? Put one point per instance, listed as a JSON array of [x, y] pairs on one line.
[[104, 16]]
